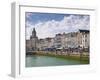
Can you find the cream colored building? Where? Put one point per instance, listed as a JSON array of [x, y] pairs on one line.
[[58, 41], [77, 39], [46, 43], [84, 38], [28, 45]]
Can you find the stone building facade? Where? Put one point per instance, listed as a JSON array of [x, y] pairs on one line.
[[77, 39], [84, 38]]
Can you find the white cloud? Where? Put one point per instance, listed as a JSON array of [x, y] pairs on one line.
[[28, 14], [50, 28]]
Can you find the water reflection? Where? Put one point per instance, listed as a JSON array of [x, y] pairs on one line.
[[36, 61]]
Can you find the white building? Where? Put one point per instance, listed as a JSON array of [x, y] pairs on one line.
[[84, 38], [58, 41]]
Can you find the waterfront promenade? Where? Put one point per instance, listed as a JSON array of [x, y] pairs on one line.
[[83, 56]]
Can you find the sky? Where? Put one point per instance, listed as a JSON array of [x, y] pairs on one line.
[[49, 24]]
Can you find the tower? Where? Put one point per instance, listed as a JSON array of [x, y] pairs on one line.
[[34, 33], [34, 40]]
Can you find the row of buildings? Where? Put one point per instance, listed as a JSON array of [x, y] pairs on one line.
[[79, 39]]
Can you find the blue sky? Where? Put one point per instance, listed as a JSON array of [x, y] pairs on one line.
[[34, 18], [49, 24]]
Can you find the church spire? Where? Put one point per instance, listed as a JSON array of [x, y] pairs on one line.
[[34, 33]]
